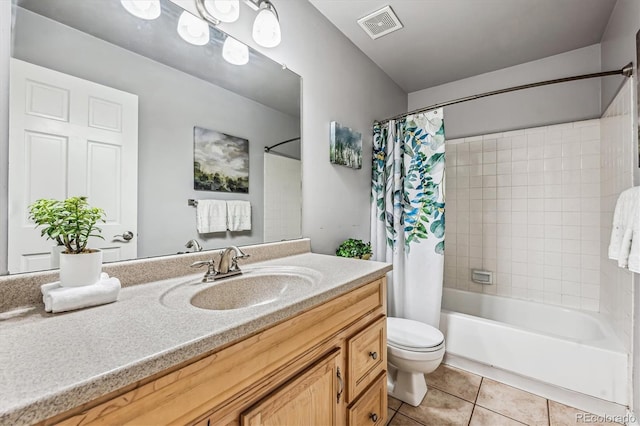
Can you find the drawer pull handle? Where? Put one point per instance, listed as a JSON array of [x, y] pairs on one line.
[[373, 417], [373, 355], [341, 385]]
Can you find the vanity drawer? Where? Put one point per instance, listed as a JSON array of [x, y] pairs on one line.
[[371, 408], [367, 357]]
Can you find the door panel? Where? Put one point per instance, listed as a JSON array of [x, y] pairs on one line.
[[70, 137]]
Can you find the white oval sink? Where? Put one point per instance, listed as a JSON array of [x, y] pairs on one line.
[[256, 287], [256, 290]]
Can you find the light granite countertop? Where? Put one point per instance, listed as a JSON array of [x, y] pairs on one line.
[[52, 363]]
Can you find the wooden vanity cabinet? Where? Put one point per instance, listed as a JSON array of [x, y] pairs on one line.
[[325, 366]]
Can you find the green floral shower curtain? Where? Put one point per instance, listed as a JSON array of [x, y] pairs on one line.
[[407, 212]]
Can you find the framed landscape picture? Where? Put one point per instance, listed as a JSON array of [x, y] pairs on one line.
[[220, 161], [346, 146]]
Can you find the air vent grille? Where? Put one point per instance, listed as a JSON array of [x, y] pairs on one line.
[[381, 22]]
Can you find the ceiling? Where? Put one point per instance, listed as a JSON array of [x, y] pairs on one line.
[[448, 40]]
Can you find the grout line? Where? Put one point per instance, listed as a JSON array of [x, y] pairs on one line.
[[548, 412], [475, 401]]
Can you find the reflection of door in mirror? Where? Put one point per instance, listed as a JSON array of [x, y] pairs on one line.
[[70, 137], [282, 197]]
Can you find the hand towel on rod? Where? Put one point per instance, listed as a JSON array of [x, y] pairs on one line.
[[211, 216], [238, 215]]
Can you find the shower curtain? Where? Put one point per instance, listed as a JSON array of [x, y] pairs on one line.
[[407, 212]]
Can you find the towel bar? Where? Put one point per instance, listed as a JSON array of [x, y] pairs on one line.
[[192, 202]]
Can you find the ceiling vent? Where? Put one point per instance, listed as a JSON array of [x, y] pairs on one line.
[[381, 22]]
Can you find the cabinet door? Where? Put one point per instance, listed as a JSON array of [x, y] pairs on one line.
[[308, 399]]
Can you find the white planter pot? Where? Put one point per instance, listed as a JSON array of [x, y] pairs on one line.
[[80, 269], [55, 256]]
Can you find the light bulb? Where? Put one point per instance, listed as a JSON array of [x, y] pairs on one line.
[[266, 28], [234, 52], [144, 9], [223, 10], [193, 30]]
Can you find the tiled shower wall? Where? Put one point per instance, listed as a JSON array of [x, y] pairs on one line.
[[616, 152], [526, 205]]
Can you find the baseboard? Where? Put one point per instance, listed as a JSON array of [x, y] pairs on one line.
[[568, 397]]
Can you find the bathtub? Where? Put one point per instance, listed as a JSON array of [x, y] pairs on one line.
[[572, 349]]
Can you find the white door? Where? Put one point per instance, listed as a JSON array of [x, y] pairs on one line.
[[70, 137], [282, 198]]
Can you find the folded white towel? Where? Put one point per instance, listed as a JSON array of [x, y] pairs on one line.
[[624, 245], [211, 216], [60, 299], [238, 215]]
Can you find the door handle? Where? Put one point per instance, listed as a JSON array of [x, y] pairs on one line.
[[126, 236]]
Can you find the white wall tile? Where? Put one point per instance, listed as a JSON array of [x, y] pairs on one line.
[[528, 202]]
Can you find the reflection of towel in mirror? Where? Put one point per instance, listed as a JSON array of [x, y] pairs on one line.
[[238, 215], [60, 299], [211, 216], [624, 245]]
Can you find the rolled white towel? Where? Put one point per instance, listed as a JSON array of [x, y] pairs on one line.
[[60, 299]]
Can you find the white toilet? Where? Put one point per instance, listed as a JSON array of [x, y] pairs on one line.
[[413, 350]]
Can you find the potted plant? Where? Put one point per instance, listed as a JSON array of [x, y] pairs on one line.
[[354, 248], [71, 222]]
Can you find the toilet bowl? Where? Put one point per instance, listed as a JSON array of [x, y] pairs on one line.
[[413, 350]]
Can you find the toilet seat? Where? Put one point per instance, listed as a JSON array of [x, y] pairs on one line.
[[413, 336]]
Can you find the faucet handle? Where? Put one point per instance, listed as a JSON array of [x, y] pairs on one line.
[[209, 263], [241, 255], [201, 263], [211, 269]]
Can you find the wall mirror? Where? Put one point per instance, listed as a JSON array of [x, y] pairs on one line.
[[105, 104]]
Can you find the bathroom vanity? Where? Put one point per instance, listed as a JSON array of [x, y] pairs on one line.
[[318, 357]]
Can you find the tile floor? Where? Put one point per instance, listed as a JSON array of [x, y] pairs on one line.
[[457, 397]]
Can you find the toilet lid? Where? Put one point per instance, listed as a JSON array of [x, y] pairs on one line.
[[406, 333]]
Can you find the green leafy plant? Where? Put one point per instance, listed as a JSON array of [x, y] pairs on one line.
[[354, 248], [70, 222]]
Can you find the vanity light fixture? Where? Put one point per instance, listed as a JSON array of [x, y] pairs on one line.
[[235, 52], [223, 10], [193, 29], [144, 9], [266, 27]]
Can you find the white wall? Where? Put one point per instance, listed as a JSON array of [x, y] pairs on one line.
[[170, 104], [616, 297], [339, 83], [618, 48], [523, 204], [540, 106], [618, 45], [5, 47]]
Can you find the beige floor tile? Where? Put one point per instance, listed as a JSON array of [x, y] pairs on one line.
[[563, 415], [390, 414], [515, 403], [455, 381], [394, 404], [483, 417], [439, 408], [400, 420]]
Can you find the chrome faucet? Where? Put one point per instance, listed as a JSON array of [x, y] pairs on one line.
[[227, 267], [193, 244], [229, 262]]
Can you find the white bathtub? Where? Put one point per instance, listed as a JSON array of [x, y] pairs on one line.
[[573, 349]]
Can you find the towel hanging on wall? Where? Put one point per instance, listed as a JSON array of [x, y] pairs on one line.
[[211, 216], [238, 215], [624, 245]]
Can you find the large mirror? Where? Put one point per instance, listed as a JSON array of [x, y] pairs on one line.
[[129, 113]]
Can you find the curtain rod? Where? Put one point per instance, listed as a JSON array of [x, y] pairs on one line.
[[269, 148], [626, 71]]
